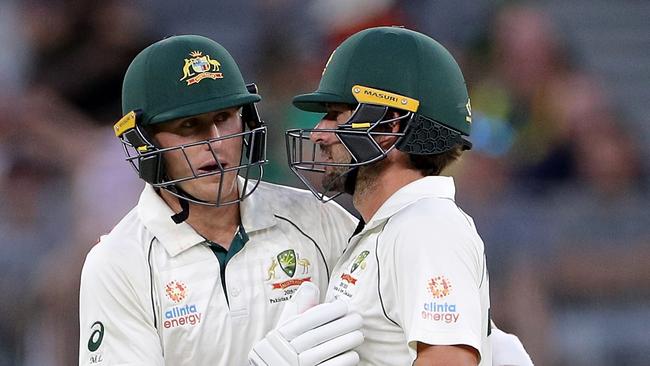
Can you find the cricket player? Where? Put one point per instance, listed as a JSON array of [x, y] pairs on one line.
[[202, 270], [397, 114]]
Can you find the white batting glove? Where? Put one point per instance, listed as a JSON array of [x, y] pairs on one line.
[[310, 334], [507, 349]]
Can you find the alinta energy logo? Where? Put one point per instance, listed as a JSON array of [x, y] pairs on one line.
[[180, 315], [437, 311], [439, 287], [175, 291]]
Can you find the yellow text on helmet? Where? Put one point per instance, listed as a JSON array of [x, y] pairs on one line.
[[364, 94]]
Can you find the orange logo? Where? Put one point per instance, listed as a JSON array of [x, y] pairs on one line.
[[292, 282], [199, 67], [439, 287], [348, 278], [176, 291]]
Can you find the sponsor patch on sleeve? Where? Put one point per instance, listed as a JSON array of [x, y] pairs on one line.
[[437, 309]]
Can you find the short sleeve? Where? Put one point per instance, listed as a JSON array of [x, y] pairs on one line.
[[438, 270], [116, 324]]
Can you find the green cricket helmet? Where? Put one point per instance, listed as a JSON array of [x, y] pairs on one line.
[[179, 77], [379, 71]]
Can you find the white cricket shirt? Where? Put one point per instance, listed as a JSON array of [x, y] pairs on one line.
[[416, 273], [152, 293]]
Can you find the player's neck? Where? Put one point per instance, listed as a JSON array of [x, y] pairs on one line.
[[216, 224], [376, 184]]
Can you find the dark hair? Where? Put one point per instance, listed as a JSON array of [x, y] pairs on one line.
[[435, 164]]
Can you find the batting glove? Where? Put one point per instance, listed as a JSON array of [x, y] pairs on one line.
[[310, 334]]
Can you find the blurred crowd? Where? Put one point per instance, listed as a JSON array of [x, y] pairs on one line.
[[557, 182]]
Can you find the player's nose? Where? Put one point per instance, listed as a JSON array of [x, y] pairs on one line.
[[322, 133]]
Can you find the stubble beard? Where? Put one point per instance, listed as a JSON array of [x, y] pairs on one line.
[[367, 181], [333, 179]]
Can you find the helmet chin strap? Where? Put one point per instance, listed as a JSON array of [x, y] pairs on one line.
[[184, 203], [185, 211], [183, 197], [351, 181]]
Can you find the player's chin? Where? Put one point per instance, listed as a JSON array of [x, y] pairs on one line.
[[212, 188], [333, 182]]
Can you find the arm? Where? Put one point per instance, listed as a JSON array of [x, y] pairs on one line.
[[441, 291], [460, 355], [116, 325]]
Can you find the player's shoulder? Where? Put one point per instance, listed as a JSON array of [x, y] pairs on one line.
[[430, 211], [434, 219], [283, 193], [295, 201], [123, 247]]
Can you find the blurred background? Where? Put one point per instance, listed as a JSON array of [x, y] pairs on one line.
[[557, 181]]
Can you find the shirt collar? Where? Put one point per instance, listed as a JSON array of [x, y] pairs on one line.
[[156, 216], [255, 212], [427, 187]]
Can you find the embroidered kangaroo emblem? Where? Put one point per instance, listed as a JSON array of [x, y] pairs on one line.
[[305, 265], [271, 270]]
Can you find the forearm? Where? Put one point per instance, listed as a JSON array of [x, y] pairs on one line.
[[457, 355]]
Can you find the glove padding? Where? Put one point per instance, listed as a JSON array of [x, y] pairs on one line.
[[311, 334], [507, 349]]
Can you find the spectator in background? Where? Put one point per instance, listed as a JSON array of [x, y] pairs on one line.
[[339, 19], [595, 281], [80, 49], [55, 140], [238, 25], [527, 59], [515, 133], [578, 264], [554, 156], [37, 155]]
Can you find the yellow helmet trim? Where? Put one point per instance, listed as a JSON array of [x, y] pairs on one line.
[[361, 125], [125, 123], [364, 94]]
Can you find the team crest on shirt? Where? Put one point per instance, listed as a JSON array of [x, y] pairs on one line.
[[286, 271], [199, 67], [180, 313], [359, 263], [439, 311], [346, 282]]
